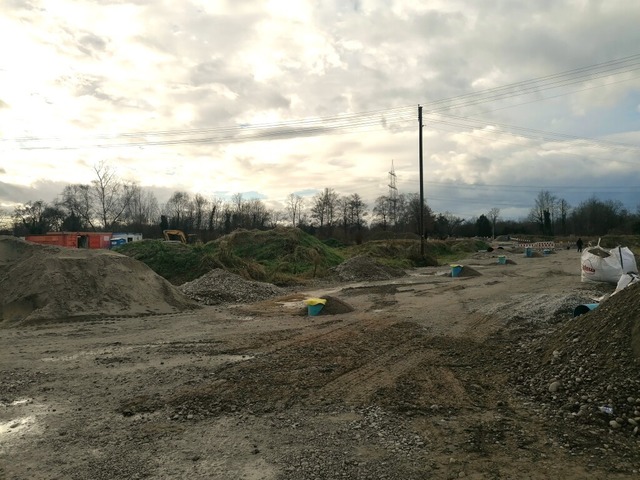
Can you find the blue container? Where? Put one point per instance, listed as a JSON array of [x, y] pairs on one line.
[[584, 308], [455, 270], [528, 252], [502, 259], [314, 310]]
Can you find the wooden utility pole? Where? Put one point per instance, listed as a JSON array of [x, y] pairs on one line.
[[421, 183]]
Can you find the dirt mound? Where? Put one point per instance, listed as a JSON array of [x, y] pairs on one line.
[[335, 306], [467, 272], [39, 283], [363, 268], [590, 367], [219, 286]]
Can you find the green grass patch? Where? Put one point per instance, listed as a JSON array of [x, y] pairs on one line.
[[174, 261]]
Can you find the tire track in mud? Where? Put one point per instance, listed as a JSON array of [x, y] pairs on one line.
[[382, 372], [380, 362]]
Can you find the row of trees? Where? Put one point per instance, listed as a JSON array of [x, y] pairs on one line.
[[110, 204]]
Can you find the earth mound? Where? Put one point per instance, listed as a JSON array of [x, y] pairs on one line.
[[467, 272], [364, 268], [40, 283], [335, 306], [220, 286], [589, 369]]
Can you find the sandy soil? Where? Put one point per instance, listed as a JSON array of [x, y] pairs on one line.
[[423, 379]]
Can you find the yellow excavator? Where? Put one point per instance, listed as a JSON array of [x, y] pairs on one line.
[[179, 236]]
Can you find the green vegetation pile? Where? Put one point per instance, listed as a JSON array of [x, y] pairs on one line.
[[176, 262], [282, 256], [394, 253]]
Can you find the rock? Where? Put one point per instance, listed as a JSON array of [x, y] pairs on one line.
[[555, 386], [613, 424]]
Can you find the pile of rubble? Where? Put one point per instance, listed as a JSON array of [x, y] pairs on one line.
[[588, 370], [220, 287]]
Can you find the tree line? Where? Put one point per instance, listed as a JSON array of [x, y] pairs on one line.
[[108, 203]]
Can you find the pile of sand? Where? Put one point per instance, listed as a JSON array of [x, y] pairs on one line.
[[219, 286], [364, 268], [39, 283]]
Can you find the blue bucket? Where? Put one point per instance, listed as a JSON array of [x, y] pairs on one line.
[[584, 308], [502, 259], [528, 252], [455, 270], [314, 310]]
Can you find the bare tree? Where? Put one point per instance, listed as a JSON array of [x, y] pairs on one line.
[[142, 209], [77, 200], [542, 211], [493, 216], [214, 215], [111, 195], [294, 205], [200, 204], [177, 209], [383, 211], [563, 213], [357, 210], [259, 213], [238, 202], [324, 208]]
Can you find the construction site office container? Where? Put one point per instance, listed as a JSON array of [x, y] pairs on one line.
[[93, 240]]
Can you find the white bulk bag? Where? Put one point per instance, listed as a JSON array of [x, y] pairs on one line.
[[626, 258], [600, 265], [625, 280]]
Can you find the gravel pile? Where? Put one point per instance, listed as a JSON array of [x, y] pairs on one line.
[[538, 309], [364, 268], [588, 369], [219, 287]]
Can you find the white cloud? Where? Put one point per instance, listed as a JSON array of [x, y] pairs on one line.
[[92, 69]]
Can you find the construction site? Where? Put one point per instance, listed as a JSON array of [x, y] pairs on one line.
[[117, 364]]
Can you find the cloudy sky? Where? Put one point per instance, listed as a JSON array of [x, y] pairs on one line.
[[268, 98]]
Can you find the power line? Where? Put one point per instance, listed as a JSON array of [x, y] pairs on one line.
[[385, 118]]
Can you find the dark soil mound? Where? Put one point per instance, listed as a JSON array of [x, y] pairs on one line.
[[335, 306], [468, 272], [363, 268]]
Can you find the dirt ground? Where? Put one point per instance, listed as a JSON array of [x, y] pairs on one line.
[[428, 377]]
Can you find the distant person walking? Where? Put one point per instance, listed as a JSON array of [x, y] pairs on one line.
[[579, 244]]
